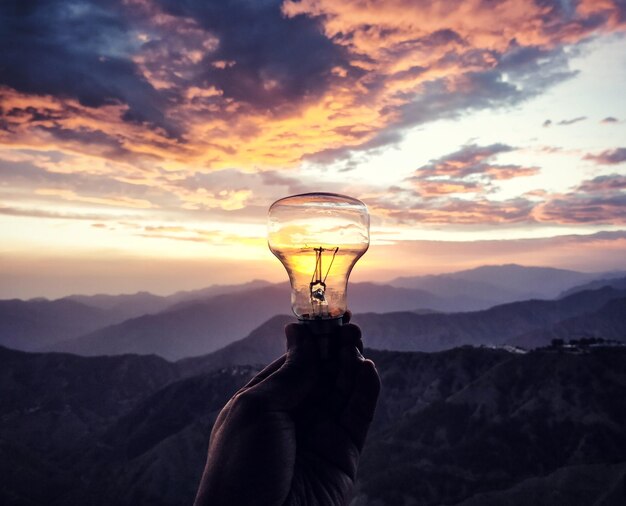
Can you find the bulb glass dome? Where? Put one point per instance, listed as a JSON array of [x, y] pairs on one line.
[[318, 237]]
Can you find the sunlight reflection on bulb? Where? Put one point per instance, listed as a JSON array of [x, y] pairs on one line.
[[318, 237]]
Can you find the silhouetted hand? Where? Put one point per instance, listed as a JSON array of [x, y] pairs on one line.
[[293, 435]]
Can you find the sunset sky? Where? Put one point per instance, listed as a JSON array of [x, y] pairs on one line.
[[142, 141]]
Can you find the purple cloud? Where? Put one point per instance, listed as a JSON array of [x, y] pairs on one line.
[[609, 157]]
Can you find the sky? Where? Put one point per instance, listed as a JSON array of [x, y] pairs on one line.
[[142, 141]]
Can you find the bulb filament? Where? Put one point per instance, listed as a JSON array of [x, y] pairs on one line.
[[317, 286]]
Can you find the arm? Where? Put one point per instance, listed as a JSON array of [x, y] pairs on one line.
[[293, 435]]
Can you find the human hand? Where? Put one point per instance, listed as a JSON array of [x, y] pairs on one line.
[[293, 435]]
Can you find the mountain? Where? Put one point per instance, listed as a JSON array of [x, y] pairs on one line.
[[261, 346], [32, 324], [38, 324], [190, 329], [200, 326], [64, 418], [496, 326], [466, 426], [213, 290], [84, 393], [496, 284], [124, 306], [521, 432], [527, 324], [197, 327], [609, 322], [619, 283], [155, 454]]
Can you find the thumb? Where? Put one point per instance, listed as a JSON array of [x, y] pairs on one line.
[[293, 381], [359, 412]]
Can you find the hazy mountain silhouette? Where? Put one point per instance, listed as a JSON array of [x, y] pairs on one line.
[[496, 284], [201, 321], [261, 346], [213, 290], [528, 324], [125, 306], [32, 324], [496, 326], [619, 283], [189, 329], [197, 327], [462, 425]]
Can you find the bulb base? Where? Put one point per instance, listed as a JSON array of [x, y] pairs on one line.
[[322, 326], [323, 330]]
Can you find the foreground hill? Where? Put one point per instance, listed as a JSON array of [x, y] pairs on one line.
[[466, 426], [527, 428]]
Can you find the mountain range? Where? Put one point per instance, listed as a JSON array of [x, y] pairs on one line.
[[528, 324], [196, 323], [497, 284], [456, 427]]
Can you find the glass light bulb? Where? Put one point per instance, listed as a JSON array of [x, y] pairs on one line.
[[318, 237]]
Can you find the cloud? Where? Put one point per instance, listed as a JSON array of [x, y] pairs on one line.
[[409, 207], [263, 58], [264, 85], [187, 234], [597, 201], [566, 122], [111, 201], [607, 183], [609, 119], [467, 170], [57, 215], [80, 50], [601, 200], [609, 157]]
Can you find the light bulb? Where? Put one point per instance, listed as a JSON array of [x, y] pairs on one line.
[[318, 237]]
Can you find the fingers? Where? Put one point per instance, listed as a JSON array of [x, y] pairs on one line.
[[349, 357], [350, 335], [270, 369], [290, 383], [347, 316], [361, 405]]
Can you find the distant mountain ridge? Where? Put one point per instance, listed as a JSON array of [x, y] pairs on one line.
[[31, 325], [502, 283], [197, 327], [141, 303], [202, 321], [527, 324], [618, 283], [608, 322]]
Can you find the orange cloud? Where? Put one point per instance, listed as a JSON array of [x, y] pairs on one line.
[[197, 116], [468, 170]]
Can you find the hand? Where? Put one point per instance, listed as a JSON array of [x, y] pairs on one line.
[[293, 435]]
